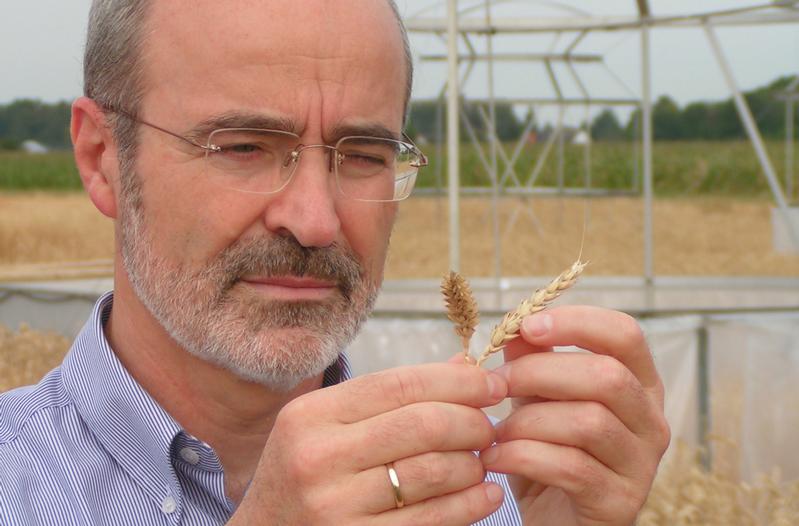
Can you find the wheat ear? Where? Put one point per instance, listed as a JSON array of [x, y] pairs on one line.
[[509, 328], [461, 309]]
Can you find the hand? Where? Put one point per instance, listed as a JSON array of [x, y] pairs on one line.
[[325, 459], [587, 430]]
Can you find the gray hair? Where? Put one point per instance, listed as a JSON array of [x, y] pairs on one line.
[[113, 74]]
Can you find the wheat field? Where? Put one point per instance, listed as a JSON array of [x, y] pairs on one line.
[[693, 236]]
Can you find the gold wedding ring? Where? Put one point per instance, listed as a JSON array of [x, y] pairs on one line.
[[395, 485]]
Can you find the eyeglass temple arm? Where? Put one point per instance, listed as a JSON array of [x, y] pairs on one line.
[[422, 157], [140, 121]]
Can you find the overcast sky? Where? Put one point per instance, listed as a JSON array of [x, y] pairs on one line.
[[42, 40]]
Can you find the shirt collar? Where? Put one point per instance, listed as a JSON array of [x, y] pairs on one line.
[[124, 418]]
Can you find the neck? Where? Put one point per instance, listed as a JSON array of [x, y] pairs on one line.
[[232, 415]]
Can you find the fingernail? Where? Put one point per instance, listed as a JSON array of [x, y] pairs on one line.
[[537, 324], [496, 386], [489, 456], [494, 493]]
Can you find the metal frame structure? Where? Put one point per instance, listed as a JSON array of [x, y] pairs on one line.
[[477, 19]]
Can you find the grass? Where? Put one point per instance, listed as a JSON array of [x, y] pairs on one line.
[[50, 171], [723, 168]]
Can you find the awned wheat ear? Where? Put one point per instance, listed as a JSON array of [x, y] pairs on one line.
[[461, 309], [509, 328]]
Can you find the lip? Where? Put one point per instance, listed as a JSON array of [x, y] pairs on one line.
[[291, 288]]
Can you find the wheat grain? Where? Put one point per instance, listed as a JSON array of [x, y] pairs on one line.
[[509, 328], [461, 309]]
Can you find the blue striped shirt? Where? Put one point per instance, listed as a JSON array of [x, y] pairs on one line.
[[88, 445]]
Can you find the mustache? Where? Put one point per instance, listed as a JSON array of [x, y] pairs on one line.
[[282, 256]]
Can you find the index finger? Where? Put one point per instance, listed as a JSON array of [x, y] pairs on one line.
[[594, 329], [377, 393]]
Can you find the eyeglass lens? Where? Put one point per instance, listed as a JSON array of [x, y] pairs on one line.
[[261, 161]]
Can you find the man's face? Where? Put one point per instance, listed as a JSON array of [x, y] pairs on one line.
[[270, 286]]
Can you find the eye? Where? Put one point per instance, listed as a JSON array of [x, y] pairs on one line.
[[243, 149], [364, 159]]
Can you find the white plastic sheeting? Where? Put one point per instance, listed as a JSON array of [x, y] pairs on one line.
[[753, 377]]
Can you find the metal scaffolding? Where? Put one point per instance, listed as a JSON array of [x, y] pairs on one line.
[[477, 19]]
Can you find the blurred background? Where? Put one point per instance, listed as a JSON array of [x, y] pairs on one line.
[[654, 138]]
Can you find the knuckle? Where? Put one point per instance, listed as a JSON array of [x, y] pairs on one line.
[[294, 416], [434, 470], [664, 433], [584, 477], [595, 421], [432, 426], [404, 386], [613, 374], [630, 331], [309, 460]]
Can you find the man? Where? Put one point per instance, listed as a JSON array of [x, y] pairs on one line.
[[250, 154]]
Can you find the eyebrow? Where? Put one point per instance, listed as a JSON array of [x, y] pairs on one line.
[[363, 130], [237, 119]]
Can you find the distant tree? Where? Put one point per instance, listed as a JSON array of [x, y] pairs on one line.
[[424, 116], [508, 125], [32, 119], [8, 144], [667, 119], [606, 126], [699, 121], [422, 120]]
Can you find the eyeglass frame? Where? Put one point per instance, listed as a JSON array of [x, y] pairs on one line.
[[292, 156]]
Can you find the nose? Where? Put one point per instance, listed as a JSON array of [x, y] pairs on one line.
[[306, 207]]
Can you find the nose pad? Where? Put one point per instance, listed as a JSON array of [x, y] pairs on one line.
[[294, 156]]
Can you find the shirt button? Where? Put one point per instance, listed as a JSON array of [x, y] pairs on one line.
[[168, 505], [190, 456]]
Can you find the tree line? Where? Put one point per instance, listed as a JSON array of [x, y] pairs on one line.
[[43, 122], [695, 121], [48, 123]]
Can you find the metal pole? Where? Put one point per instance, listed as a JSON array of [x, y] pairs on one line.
[[703, 394], [494, 137], [789, 133], [646, 114], [754, 134], [453, 139]]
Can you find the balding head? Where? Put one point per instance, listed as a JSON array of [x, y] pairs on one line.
[[113, 69]]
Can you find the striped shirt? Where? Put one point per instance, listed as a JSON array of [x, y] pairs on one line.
[[88, 445]]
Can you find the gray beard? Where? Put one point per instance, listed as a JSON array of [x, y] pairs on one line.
[[215, 317]]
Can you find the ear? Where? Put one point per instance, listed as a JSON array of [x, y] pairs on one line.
[[95, 155]]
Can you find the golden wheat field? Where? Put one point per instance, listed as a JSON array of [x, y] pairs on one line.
[[539, 236], [684, 494]]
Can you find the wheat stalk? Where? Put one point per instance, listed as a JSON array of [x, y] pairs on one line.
[[509, 328], [461, 309]]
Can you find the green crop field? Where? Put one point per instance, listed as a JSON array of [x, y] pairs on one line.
[[723, 168], [50, 171], [727, 168]]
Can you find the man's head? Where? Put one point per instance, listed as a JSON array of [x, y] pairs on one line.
[[271, 286], [112, 66]]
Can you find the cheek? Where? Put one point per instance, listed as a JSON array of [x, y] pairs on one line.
[[192, 221], [367, 229]]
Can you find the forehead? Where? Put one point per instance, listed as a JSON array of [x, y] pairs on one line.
[[339, 59]]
